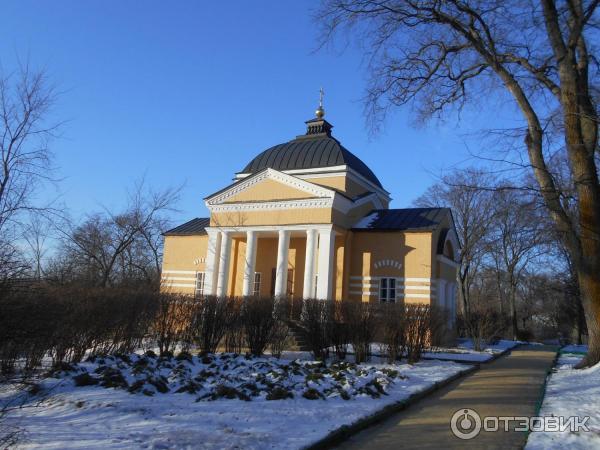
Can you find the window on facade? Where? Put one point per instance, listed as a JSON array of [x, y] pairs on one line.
[[199, 284], [387, 290], [256, 287]]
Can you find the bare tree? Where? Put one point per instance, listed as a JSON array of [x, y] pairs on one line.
[[108, 245], [472, 210], [36, 235], [440, 54], [26, 99], [517, 238]]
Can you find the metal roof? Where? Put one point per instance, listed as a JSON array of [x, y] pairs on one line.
[[193, 227], [309, 151], [406, 219]]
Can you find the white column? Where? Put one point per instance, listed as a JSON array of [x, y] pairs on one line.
[[249, 266], [223, 277], [325, 278], [212, 261], [282, 263], [308, 290]]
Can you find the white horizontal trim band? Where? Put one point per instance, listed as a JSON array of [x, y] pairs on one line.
[[186, 285], [178, 279], [179, 271], [416, 296], [423, 280]]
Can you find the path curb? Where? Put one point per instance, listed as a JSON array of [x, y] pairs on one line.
[[345, 431]]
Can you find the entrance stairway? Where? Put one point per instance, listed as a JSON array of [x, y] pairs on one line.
[[297, 336]]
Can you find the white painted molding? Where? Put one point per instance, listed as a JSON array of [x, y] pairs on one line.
[[422, 280], [269, 206], [177, 279], [185, 285], [270, 228], [387, 263], [179, 271]]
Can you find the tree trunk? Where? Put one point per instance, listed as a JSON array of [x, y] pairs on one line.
[[513, 312], [589, 285]]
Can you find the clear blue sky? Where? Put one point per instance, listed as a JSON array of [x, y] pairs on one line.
[[190, 91]]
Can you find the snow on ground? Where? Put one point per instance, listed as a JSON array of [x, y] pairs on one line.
[[570, 392], [465, 352], [462, 353], [574, 348], [223, 401]]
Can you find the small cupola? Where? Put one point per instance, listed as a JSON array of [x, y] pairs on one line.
[[318, 125]]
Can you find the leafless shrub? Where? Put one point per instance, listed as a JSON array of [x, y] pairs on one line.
[[173, 321], [234, 335], [67, 323], [281, 331], [482, 324], [259, 320], [361, 320], [338, 330], [212, 319], [417, 330], [392, 324], [314, 320]]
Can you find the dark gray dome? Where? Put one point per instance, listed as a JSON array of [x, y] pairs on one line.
[[310, 151]]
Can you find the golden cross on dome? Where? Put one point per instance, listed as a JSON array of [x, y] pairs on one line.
[[320, 112]]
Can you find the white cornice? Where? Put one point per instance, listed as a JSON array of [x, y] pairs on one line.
[[259, 228], [308, 203]]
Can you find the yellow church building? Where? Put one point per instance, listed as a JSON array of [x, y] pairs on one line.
[[309, 219]]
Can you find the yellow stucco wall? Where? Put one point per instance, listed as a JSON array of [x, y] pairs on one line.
[[268, 190], [183, 256], [337, 183], [405, 256]]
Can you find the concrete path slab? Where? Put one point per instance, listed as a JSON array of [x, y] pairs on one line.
[[509, 386]]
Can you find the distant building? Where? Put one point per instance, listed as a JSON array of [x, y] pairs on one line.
[[308, 219]]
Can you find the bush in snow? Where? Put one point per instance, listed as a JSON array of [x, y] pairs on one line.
[[362, 320], [173, 321], [67, 322], [315, 320], [212, 318], [417, 330], [259, 317], [392, 321]]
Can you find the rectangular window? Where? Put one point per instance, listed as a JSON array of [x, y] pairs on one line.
[[256, 288], [199, 284], [387, 290]]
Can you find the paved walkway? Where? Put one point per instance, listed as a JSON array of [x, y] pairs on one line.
[[510, 386]]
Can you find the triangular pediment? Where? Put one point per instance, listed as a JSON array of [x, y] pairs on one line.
[[269, 185]]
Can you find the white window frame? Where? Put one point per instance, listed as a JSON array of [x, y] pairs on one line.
[[256, 284], [387, 290], [199, 284]]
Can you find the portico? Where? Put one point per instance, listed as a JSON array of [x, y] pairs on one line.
[[317, 259]]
